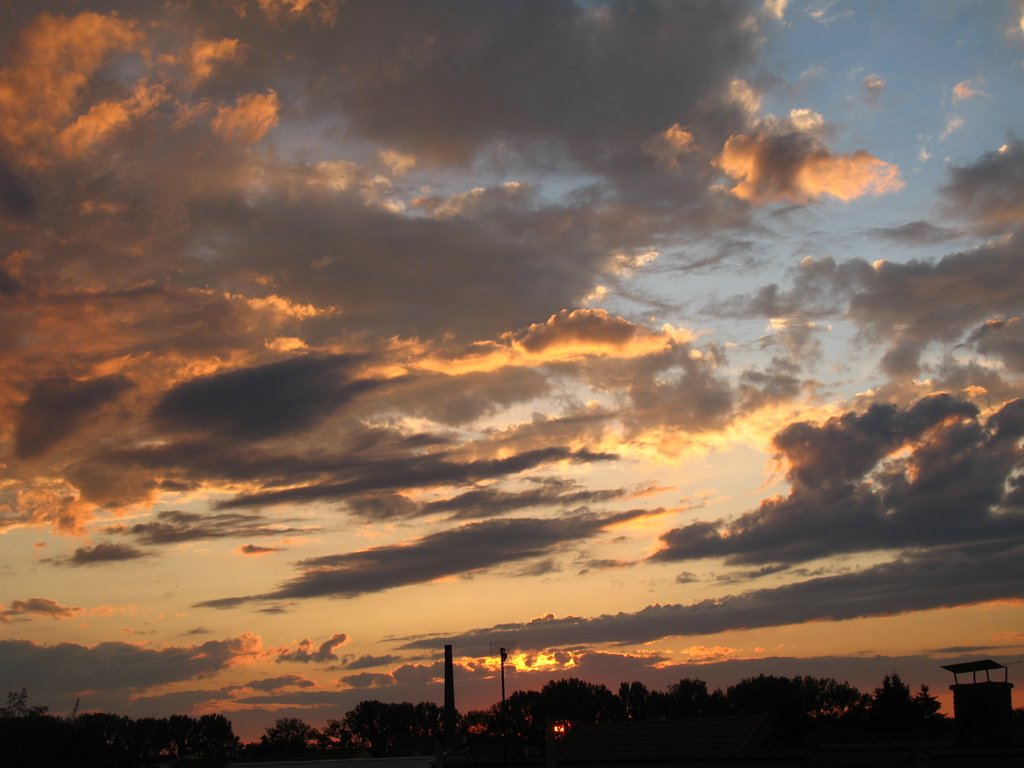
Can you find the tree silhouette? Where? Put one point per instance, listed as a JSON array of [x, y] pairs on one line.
[[576, 701], [927, 705], [892, 707], [31, 737], [211, 736], [635, 701], [288, 736], [824, 698], [381, 726], [690, 698], [17, 706], [795, 704], [337, 735]]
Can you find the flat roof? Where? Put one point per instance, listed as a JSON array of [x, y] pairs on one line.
[[973, 666]]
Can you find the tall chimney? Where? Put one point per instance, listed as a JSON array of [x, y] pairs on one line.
[[451, 742]]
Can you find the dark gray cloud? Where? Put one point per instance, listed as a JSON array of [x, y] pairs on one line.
[[938, 578], [744, 576], [846, 447], [369, 662], [849, 494], [916, 233], [67, 668], [990, 191], [9, 284], [777, 383], [598, 81], [101, 554], [956, 374], [36, 606], [363, 463], [118, 475], [680, 387], [271, 684], [368, 680], [937, 301], [454, 552], [820, 288], [17, 200], [690, 395], [906, 305], [974, 650], [486, 502], [263, 401], [490, 501], [408, 275], [414, 471], [586, 565], [57, 407], [176, 526], [306, 653], [1002, 338], [462, 399], [252, 549]]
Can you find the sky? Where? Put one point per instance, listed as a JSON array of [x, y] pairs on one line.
[[649, 340]]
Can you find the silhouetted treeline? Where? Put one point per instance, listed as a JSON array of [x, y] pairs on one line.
[[30, 736], [799, 707], [375, 726]]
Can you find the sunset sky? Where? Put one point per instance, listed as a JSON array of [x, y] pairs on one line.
[[653, 340]]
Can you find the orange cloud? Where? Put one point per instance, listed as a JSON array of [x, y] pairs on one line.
[[204, 53], [107, 117], [703, 654], [396, 162], [280, 9], [284, 307], [45, 503], [593, 332], [53, 61], [776, 9], [964, 90], [669, 145], [249, 120], [796, 168], [566, 335]]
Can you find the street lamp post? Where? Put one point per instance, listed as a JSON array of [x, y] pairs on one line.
[[504, 711]]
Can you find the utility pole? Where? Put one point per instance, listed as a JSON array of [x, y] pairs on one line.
[[504, 711]]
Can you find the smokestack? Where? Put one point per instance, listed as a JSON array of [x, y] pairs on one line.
[[451, 743]]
